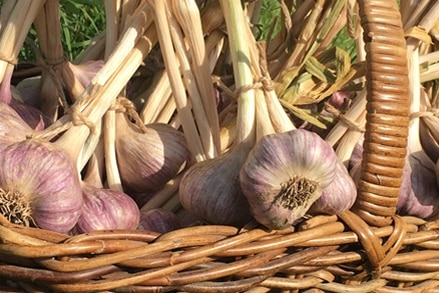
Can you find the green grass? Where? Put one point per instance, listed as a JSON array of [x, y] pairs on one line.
[[80, 22], [270, 10]]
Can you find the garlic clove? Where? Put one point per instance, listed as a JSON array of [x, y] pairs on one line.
[[147, 160], [39, 185], [210, 189], [285, 174], [338, 196], [106, 209]]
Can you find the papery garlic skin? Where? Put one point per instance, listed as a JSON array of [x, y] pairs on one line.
[[42, 177], [30, 114], [338, 196], [428, 136], [285, 174], [158, 220], [148, 160], [27, 91], [210, 190], [418, 195], [85, 72], [106, 209], [12, 127]]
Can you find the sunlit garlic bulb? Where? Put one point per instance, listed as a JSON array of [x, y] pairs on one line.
[[150, 158], [285, 174], [39, 185], [210, 189], [338, 196]]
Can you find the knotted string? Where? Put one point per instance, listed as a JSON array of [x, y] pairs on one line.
[[261, 83], [124, 105]]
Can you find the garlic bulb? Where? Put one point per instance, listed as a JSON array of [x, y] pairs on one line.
[[76, 77], [338, 196], [158, 220], [39, 185], [339, 99], [28, 91], [140, 198], [12, 126], [429, 136], [210, 189], [357, 154], [419, 191], [285, 174], [147, 160], [85, 72], [30, 114], [106, 209], [187, 219]]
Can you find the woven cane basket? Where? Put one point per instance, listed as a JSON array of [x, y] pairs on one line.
[[369, 248]]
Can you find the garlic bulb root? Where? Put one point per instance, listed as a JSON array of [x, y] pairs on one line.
[[15, 208], [285, 174], [295, 192]]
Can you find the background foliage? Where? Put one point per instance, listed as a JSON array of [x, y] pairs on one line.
[[84, 19]]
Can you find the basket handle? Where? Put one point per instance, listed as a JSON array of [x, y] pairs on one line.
[[387, 121]]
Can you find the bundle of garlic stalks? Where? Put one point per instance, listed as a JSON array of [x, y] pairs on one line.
[[175, 116]]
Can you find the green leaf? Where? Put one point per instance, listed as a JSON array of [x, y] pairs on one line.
[[319, 70], [285, 80]]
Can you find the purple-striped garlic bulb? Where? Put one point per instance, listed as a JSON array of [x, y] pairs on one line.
[[106, 209], [29, 113], [158, 220], [338, 196], [39, 185], [284, 174], [150, 158], [419, 188], [210, 189], [12, 127], [418, 194]]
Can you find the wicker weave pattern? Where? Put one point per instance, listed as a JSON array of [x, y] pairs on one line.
[[388, 112], [321, 254]]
